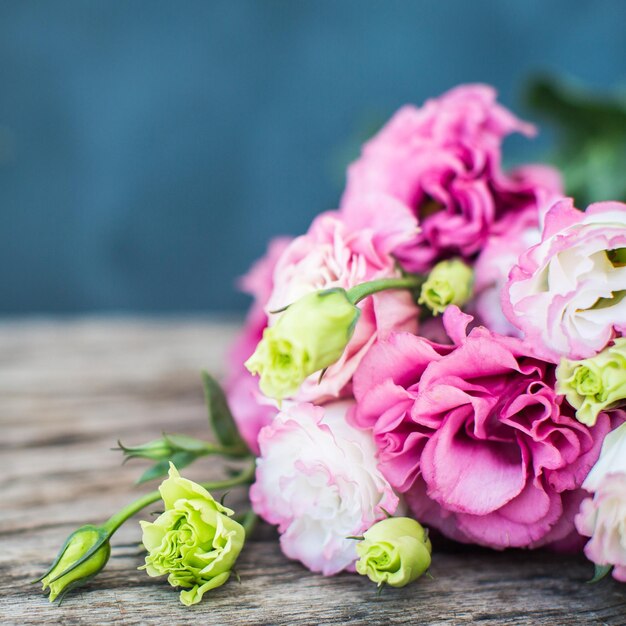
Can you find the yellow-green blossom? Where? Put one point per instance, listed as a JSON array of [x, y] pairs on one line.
[[195, 541], [595, 384], [394, 551], [308, 337], [449, 282], [77, 546]]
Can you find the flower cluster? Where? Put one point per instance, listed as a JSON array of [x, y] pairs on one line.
[[452, 325], [447, 348]]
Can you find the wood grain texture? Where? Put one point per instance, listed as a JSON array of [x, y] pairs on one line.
[[69, 389]]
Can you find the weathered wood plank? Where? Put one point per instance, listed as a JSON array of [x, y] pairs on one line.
[[69, 389]]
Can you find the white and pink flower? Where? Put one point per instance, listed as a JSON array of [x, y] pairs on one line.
[[567, 292], [317, 479], [603, 517]]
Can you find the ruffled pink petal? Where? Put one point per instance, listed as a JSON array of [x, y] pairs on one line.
[[457, 468]]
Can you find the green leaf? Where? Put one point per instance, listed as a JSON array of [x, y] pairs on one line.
[[600, 573], [160, 469], [583, 113], [590, 133], [220, 417]]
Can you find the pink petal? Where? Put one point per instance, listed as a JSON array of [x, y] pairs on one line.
[[469, 476]]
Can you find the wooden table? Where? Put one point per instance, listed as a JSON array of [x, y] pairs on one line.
[[69, 389]]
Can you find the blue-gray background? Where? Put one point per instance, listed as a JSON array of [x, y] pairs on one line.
[[149, 149]]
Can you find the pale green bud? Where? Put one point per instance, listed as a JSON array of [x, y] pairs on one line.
[[395, 551], [71, 559], [195, 541], [310, 335], [157, 450], [595, 384], [449, 282]]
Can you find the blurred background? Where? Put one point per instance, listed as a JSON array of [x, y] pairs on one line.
[[148, 150]]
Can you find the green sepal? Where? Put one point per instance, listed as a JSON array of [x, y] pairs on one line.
[[600, 572], [83, 558], [186, 443], [74, 585], [155, 450], [220, 418], [163, 449], [56, 560]]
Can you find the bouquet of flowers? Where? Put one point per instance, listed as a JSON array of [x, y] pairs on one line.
[[445, 354]]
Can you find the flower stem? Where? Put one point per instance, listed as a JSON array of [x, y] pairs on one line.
[[358, 293], [249, 522], [115, 521]]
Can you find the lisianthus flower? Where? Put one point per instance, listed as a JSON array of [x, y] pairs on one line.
[[449, 282], [310, 335], [485, 409], [332, 255], [195, 542], [603, 517], [595, 384], [250, 408], [317, 480], [395, 551], [443, 163], [385, 387], [567, 293]]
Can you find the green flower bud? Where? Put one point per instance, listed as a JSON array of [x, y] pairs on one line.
[[395, 551], [308, 337], [74, 564], [449, 282], [157, 450], [195, 541], [595, 384]]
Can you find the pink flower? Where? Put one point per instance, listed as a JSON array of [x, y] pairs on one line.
[[385, 386], [492, 268], [567, 292], [476, 437], [317, 480], [603, 517], [250, 408], [443, 163], [336, 254]]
